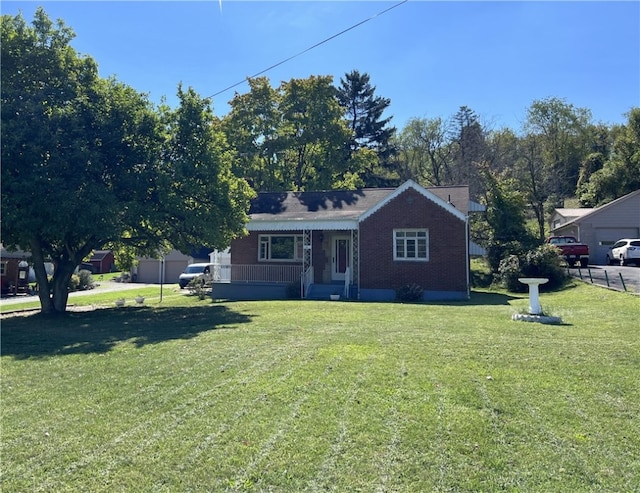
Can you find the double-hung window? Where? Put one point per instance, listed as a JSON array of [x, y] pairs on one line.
[[280, 248], [411, 244]]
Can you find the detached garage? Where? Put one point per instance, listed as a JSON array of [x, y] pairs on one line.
[[600, 227], [165, 271]]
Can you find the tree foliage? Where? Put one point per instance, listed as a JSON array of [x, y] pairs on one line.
[[468, 150], [620, 173], [292, 137], [88, 162], [370, 130], [562, 132], [424, 151], [504, 231]]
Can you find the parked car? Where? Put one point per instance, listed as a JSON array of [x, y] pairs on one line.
[[571, 249], [625, 251], [193, 271]]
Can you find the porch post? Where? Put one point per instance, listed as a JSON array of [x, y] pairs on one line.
[[355, 260], [307, 262]]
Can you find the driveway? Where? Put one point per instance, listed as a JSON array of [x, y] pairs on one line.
[[100, 286], [616, 277]]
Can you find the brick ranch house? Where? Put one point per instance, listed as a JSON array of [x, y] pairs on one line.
[[363, 244]]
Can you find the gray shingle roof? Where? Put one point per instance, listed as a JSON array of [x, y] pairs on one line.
[[342, 204], [338, 204]]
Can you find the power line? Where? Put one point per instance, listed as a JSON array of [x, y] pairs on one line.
[[310, 48]]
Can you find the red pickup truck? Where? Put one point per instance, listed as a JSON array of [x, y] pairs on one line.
[[571, 249]]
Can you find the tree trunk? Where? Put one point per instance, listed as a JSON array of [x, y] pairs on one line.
[[55, 294], [46, 305], [60, 291]]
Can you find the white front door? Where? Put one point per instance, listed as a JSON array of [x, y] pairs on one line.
[[340, 257]]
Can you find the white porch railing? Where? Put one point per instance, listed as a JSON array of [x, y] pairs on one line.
[[221, 273], [307, 281], [283, 274]]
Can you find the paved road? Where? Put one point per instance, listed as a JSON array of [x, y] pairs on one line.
[[625, 278], [101, 286]]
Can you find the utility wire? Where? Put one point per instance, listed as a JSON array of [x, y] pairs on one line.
[[309, 49]]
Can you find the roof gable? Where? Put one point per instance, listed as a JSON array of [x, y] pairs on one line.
[[447, 206], [598, 210]]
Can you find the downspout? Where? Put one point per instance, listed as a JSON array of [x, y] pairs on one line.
[[468, 258], [359, 262]]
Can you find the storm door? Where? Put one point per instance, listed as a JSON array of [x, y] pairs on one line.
[[340, 257]]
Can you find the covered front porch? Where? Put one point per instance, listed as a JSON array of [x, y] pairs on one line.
[[307, 264]]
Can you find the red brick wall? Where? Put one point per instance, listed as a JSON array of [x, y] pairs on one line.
[[446, 269], [244, 251]]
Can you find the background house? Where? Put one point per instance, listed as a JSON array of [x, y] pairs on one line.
[[102, 261], [363, 244], [9, 261], [602, 226], [167, 269]]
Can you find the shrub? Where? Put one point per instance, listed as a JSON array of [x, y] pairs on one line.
[[497, 251], [409, 293], [85, 279], [293, 291], [540, 262], [544, 261], [198, 287], [481, 276], [74, 282]]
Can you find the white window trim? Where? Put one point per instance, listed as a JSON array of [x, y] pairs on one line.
[[298, 239], [410, 259]]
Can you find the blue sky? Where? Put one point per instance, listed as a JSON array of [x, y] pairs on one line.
[[428, 57]]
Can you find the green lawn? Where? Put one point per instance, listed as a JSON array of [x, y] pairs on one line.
[[298, 396]]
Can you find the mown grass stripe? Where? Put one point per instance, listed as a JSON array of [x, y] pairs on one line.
[[385, 397], [121, 446]]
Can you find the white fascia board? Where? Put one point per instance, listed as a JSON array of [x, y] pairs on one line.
[[275, 225], [426, 193]]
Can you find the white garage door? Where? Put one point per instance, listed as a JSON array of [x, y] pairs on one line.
[[605, 237], [149, 271]]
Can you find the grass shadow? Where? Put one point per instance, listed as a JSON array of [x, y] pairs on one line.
[[99, 331]]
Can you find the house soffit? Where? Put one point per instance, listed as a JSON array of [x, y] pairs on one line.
[[301, 225]]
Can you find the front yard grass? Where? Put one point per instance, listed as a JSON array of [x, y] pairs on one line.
[[297, 396]]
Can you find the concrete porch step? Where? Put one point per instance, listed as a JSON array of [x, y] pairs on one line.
[[323, 291]]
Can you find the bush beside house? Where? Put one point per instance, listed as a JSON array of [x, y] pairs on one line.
[[543, 261]]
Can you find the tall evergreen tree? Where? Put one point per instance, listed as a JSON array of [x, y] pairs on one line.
[[469, 150], [370, 131]]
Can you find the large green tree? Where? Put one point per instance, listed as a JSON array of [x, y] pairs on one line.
[[88, 162], [619, 174], [556, 140], [502, 230], [253, 128], [293, 137], [424, 151], [562, 131]]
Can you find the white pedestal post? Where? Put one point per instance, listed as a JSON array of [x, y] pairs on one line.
[[534, 296]]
